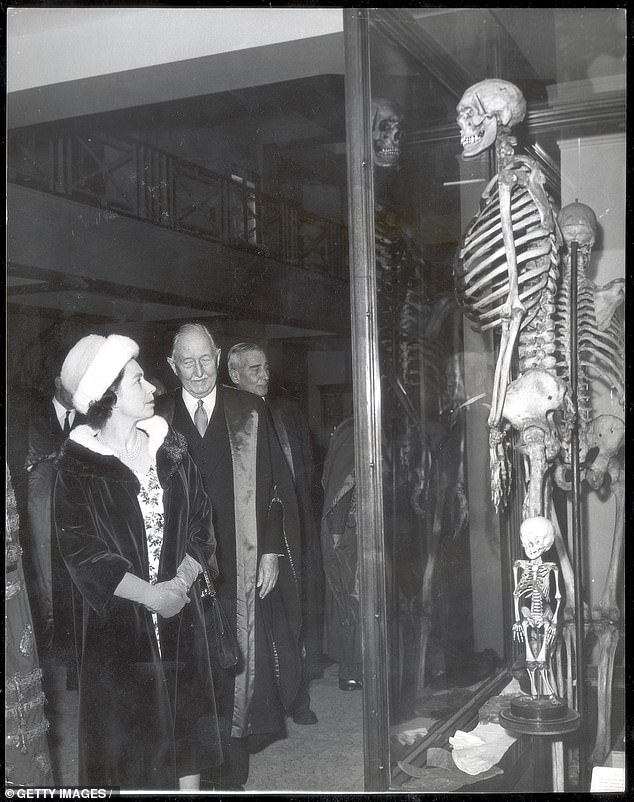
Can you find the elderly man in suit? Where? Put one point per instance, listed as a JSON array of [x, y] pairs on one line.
[[254, 511], [248, 369]]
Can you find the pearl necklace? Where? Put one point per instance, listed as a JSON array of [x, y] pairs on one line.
[[126, 455]]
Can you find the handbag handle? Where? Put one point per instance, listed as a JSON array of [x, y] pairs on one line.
[[207, 589]]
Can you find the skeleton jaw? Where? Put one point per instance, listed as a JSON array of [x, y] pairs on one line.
[[386, 156], [386, 132], [476, 139]]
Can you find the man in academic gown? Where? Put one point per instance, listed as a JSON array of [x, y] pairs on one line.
[[248, 369], [256, 526], [341, 561]]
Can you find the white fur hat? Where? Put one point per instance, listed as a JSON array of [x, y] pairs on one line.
[[92, 364]]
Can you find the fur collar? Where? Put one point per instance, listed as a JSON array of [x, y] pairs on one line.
[[84, 454]]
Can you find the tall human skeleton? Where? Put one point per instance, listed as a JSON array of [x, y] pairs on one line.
[[506, 276], [506, 279]]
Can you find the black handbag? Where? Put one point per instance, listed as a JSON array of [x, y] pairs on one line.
[[222, 641]]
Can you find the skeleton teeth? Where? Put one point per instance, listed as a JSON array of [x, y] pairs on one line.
[[471, 140]]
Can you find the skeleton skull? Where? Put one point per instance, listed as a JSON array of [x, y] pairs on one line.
[[483, 107], [578, 223], [386, 132], [537, 536]]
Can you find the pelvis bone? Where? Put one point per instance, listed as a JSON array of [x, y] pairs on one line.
[[532, 399], [531, 404]]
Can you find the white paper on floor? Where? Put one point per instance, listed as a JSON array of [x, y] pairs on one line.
[[478, 750]]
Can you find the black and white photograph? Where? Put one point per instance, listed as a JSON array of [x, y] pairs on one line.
[[315, 401]]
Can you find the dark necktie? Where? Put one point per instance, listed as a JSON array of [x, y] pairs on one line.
[[200, 419], [66, 428]]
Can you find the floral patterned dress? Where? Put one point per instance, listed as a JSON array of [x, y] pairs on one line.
[[151, 502]]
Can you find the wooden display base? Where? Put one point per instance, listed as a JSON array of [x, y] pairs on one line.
[[543, 709], [556, 729], [525, 726]]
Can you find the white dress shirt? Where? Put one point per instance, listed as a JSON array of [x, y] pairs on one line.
[[60, 411], [209, 402]]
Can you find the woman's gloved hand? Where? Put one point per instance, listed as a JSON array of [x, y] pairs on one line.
[[168, 598]]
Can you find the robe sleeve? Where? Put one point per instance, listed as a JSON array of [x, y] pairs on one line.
[[40, 442], [93, 567], [282, 523]]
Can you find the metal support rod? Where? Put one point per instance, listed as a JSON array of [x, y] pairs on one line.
[[576, 511]]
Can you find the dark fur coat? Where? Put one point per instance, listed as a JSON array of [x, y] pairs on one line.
[[145, 717]]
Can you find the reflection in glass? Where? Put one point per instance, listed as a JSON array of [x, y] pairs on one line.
[[425, 417]]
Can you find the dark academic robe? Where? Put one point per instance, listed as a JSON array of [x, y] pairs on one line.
[[145, 717], [294, 438], [244, 470], [47, 577], [340, 549]]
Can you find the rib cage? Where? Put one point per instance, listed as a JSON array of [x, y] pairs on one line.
[[601, 352], [481, 270]]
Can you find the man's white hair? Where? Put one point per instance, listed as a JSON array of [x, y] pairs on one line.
[[192, 328], [237, 351]]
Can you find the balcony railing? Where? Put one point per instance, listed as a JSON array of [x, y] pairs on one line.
[[131, 178]]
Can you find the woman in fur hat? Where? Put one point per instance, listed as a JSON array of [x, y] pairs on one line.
[[133, 521]]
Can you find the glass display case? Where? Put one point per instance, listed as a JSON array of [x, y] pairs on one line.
[[463, 311], [421, 213]]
